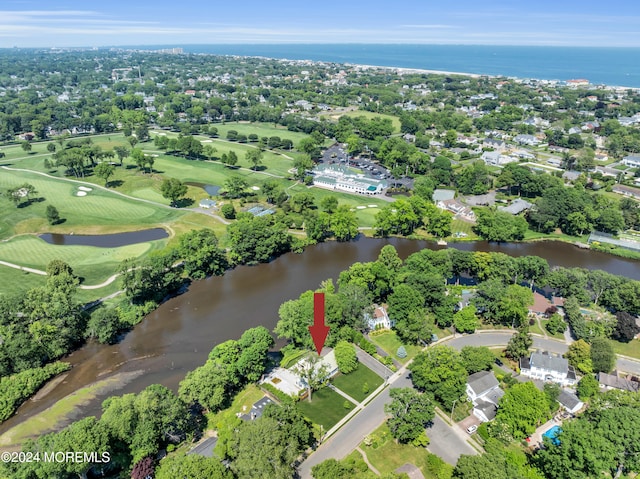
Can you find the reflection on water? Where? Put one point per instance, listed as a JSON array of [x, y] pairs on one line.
[[106, 241]]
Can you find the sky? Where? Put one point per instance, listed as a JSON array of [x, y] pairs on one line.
[[88, 23]]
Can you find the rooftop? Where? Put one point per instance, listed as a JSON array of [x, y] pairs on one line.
[[548, 362], [482, 382]]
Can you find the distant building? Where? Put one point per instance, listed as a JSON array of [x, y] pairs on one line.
[[496, 158], [526, 140], [336, 177], [627, 191], [497, 145], [548, 367], [632, 161], [483, 390], [206, 203]]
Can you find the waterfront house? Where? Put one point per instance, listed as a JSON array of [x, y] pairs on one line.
[[483, 390], [379, 319], [548, 367], [516, 207]]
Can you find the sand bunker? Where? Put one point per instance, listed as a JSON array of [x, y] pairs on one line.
[[255, 188], [81, 193], [84, 188]]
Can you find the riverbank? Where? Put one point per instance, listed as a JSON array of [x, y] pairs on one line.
[[186, 327]]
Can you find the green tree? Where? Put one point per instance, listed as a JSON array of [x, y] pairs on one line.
[[626, 327], [201, 255], [104, 325], [500, 226], [257, 239], [477, 358], [579, 356], [192, 466], [235, 185], [209, 386], [228, 211], [556, 324], [519, 344], [53, 216], [440, 371], [588, 387], [105, 171], [346, 357], [313, 372], [466, 320], [122, 152], [411, 411], [254, 157], [343, 224], [26, 146], [329, 204], [173, 189], [603, 357], [522, 408]]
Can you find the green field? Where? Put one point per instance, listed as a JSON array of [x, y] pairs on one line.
[[390, 342], [260, 129], [88, 262], [15, 282], [326, 408], [98, 212], [353, 383], [631, 349]]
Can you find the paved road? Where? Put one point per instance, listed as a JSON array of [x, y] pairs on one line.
[[373, 364], [553, 345], [444, 442]]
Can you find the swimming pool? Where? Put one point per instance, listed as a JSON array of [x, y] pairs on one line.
[[553, 434]]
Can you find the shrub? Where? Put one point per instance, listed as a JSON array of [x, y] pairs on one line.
[[346, 404], [401, 352], [365, 388], [228, 211]]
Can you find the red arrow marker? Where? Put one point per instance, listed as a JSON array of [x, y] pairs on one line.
[[319, 330]]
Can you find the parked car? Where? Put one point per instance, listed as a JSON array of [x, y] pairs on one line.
[[472, 429]]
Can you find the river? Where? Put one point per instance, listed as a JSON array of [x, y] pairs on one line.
[[177, 337]]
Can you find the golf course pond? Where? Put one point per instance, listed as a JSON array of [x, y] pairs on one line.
[[114, 240]]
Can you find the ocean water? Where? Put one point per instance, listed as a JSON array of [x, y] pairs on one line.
[[610, 66]]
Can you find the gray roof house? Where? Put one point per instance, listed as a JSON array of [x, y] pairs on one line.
[[548, 367], [483, 390], [570, 401], [613, 381], [516, 207]]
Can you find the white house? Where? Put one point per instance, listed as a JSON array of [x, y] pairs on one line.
[[631, 161], [483, 390], [379, 320], [526, 140], [548, 367], [496, 158]]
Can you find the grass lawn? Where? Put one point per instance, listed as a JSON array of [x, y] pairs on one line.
[[326, 408], [395, 121], [390, 342], [353, 383], [462, 410], [242, 403], [15, 282], [631, 349], [260, 129], [97, 212], [366, 216], [386, 456], [461, 226], [88, 262]]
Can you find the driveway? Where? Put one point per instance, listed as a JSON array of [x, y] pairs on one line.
[[373, 364], [448, 442]]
